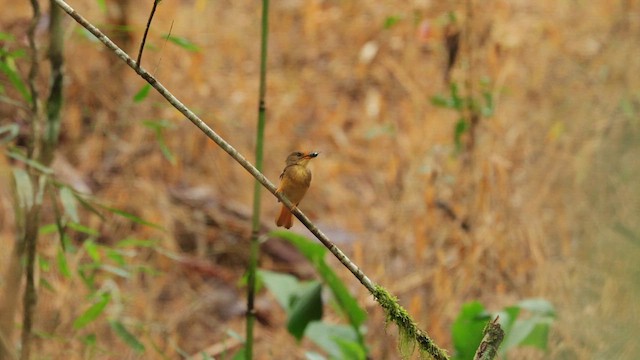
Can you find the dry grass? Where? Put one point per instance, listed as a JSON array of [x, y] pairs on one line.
[[552, 174]]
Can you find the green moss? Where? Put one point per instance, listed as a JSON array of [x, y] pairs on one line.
[[410, 334]]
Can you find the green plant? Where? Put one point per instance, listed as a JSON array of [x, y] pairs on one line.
[[302, 301], [531, 329], [470, 108]]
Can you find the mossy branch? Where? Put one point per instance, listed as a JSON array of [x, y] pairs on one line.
[[493, 336], [395, 313], [410, 334]]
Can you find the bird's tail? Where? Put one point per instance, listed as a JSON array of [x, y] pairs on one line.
[[285, 219]]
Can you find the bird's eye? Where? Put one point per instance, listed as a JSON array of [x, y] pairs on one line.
[[299, 154]]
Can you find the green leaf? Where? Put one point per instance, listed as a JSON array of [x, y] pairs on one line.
[[127, 337], [157, 127], [461, 127], [282, 286], [82, 229], [142, 93], [306, 307], [132, 242], [43, 264], [92, 250], [48, 229], [6, 37], [34, 164], [116, 271], [533, 331], [182, 42], [351, 349], [63, 266], [24, 188], [315, 254], [324, 335], [89, 340], [15, 80], [116, 257], [441, 101], [102, 5], [538, 306], [390, 21], [8, 132], [131, 217], [69, 204], [466, 331], [92, 312]]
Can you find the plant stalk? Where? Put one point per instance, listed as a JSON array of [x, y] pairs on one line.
[[257, 190]]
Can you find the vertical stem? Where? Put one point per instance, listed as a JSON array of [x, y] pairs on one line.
[[54, 102], [30, 232], [255, 233]]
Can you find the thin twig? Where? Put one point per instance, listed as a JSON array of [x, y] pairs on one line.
[[146, 31], [355, 270]]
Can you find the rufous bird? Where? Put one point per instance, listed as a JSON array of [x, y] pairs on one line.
[[294, 183]]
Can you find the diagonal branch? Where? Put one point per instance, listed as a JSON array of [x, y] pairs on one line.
[[210, 133]]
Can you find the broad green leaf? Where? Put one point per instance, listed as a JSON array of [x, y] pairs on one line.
[[142, 93], [311, 250], [307, 307], [92, 312], [538, 306], [182, 42], [282, 286], [324, 335], [24, 188], [69, 204], [351, 349], [310, 355], [315, 254], [127, 337], [539, 335], [467, 329]]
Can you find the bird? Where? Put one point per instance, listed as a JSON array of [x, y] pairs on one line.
[[294, 183]]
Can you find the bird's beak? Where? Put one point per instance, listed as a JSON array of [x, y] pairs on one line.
[[311, 155]]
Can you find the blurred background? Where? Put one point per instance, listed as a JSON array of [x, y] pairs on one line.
[[531, 192]]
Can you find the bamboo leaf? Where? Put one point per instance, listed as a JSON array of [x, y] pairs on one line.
[[127, 337], [69, 204], [183, 43], [92, 312]]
